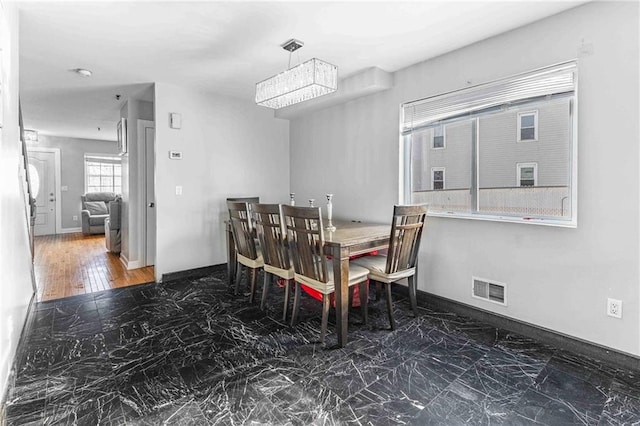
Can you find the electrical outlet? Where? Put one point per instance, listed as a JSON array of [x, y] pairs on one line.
[[614, 308], [75, 218]]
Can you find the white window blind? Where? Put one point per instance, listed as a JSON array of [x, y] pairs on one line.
[[105, 158], [545, 82]]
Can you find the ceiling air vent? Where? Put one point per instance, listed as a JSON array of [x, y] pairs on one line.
[[488, 290]]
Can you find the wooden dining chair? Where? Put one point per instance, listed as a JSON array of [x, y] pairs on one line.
[[402, 256], [232, 260], [312, 268], [248, 253], [275, 252]]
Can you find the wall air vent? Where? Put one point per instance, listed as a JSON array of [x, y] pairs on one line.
[[489, 290]]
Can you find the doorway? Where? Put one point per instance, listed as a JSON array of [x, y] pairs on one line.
[[67, 262]]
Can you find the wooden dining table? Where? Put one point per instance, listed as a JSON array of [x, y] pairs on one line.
[[349, 239]]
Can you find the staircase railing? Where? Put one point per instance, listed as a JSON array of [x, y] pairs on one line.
[[30, 202]]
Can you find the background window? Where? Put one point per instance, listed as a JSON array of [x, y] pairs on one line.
[[437, 178], [528, 126], [438, 137], [34, 179], [527, 174], [483, 124], [103, 173]]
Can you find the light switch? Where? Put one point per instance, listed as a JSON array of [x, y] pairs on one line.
[[175, 120], [64, 188], [178, 189]]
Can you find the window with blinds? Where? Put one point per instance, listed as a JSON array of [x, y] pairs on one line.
[[103, 173], [510, 149]]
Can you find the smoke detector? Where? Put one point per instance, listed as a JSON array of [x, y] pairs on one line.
[[83, 72]]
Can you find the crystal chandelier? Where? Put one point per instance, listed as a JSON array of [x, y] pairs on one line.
[[305, 81]]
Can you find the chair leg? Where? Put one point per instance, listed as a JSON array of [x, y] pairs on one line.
[[325, 316], [412, 295], [286, 300], [238, 274], [350, 297], [390, 306], [254, 282], [265, 289], [364, 301], [296, 305]]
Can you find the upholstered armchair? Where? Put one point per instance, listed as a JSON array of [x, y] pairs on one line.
[[95, 209]]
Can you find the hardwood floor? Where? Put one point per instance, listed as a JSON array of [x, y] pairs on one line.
[[70, 264]]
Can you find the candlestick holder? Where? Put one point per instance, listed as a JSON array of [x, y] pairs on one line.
[[330, 226], [314, 224], [292, 199]]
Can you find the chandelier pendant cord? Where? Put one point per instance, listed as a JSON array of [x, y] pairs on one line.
[[291, 54]]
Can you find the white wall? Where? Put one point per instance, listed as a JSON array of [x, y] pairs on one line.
[[557, 278], [15, 255], [230, 148], [132, 213]]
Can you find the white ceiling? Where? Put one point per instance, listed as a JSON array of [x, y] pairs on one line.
[[225, 47]]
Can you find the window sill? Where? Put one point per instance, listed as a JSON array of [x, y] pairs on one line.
[[572, 223]]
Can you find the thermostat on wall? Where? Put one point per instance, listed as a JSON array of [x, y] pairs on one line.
[[175, 155]]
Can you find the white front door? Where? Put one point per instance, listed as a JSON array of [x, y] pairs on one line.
[[42, 176]]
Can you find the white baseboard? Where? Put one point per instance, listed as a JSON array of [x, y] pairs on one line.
[[69, 230], [130, 264], [134, 265]]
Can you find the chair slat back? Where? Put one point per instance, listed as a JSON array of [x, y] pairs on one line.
[[271, 235], [241, 228], [406, 233], [249, 200], [306, 241]]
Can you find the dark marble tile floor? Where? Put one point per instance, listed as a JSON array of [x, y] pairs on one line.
[[189, 352]]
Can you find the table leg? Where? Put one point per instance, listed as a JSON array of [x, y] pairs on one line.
[[341, 270], [231, 255]]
